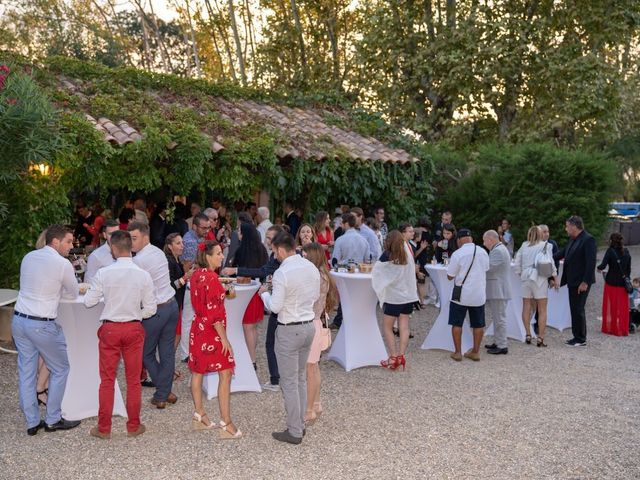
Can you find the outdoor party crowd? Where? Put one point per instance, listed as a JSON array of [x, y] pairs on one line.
[[143, 264]]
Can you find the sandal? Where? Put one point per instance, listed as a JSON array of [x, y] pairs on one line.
[[176, 375], [43, 392], [541, 342], [198, 422], [527, 339], [226, 434]]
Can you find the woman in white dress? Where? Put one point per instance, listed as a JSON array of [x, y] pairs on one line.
[[534, 287]]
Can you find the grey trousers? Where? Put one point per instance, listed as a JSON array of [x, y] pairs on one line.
[[160, 333], [293, 343], [498, 310]]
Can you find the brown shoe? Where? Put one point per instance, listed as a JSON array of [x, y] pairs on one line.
[[456, 356], [141, 429], [172, 398], [94, 432], [472, 356], [158, 403]]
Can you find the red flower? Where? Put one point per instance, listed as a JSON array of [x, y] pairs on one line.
[[12, 101], [2, 80], [5, 69]]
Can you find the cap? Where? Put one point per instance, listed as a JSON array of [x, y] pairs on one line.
[[464, 232]]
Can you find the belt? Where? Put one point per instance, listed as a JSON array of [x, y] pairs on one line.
[[295, 323], [128, 321], [167, 302], [33, 317]]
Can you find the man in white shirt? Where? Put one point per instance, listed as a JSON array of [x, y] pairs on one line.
[[296, 286], [160, 329], [45, 276], [101, 256], [468, 267], [375, 249], [128, 298], [263, 222]]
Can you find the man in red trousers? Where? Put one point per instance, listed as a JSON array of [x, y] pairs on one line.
[[128, 298]]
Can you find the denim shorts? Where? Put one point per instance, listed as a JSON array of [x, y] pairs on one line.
[[458, 312]]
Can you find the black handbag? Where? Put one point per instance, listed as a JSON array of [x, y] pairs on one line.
[[628, 286], [457, 289]]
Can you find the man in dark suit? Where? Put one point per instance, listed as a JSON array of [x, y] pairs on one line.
[[578, 274], [292, 220]]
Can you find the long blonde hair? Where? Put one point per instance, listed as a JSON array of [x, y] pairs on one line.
[[315, 254], [534, 235]]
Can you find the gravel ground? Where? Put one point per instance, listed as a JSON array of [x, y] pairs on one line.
[[554, 413]]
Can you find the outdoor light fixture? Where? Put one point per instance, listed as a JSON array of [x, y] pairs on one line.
[[41, 168]]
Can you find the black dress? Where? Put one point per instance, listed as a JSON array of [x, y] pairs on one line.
[[176, 271]]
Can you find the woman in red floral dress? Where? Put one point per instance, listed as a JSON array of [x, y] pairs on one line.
[[209, 347]]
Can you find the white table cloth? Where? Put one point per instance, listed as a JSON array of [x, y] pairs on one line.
[[80, 326], [7, 296], [439, 337], [359, 342], [244, 378]]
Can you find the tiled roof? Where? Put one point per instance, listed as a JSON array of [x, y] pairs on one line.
[[306, 133]]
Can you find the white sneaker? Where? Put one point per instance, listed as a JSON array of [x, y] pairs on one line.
[[270, 386], [437, 304]]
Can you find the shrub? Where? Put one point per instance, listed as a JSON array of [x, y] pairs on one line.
[[532, 184]]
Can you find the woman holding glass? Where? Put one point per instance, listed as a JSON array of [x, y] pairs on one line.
[[209, 347]]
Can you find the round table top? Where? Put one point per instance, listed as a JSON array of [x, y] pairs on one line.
[[360, 276], [7, 296]]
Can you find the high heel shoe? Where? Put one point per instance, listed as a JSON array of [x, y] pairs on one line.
[[226, 434], [390, 363], [527, 339], [199, 424], [401, 361], [43, 392], [541, 342]]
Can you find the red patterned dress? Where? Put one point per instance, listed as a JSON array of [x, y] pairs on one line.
[[205, 347]]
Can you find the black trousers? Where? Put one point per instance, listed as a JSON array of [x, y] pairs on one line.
[[577, 302], [270, 347], [338, 318]]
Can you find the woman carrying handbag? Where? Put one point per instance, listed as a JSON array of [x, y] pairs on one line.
[[326, 302], [615, 300]]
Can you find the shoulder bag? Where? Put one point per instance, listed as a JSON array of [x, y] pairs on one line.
[[544, 263], [628, 286], [325, 333], [457, 289]]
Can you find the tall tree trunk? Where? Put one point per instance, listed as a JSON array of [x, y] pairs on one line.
[[215, 40], [236, 36], [303, 54], [194, 44], [145, 41], [250, 34], [225, 41]]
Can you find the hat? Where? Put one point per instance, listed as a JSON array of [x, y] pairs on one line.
[[464, 232]]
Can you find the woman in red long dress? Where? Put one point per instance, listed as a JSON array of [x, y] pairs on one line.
[[209, 347], [324, 234], [615, 300]]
